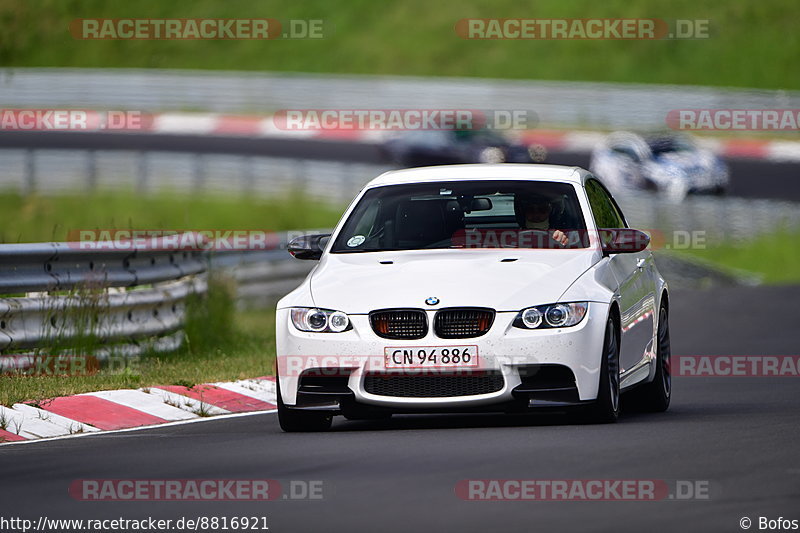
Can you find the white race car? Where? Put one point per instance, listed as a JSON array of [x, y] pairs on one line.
[[474, 288], [673, 164]]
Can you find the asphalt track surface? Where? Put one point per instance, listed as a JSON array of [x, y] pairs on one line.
[[751, 178], [738, 434]]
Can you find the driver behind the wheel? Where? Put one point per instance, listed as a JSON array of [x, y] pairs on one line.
[[533, 212]]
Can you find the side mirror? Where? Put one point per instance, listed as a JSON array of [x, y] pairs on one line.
[[623, 240], [308, 246]]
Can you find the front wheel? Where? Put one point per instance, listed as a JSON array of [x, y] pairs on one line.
[[655, 396], [296, 420], [606, 408]]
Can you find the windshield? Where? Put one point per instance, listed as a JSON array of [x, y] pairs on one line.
[[663, 145], [481, 136], [463, 214]]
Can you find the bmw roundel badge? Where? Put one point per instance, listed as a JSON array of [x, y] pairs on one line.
[[433, 300]]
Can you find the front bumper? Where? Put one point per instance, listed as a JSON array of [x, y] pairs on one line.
[[350, 357]]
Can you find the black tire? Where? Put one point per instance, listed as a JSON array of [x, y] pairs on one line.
[[296, 420], [654, 397], [606, 408]]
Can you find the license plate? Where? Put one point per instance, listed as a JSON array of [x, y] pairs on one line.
[[431, 356]]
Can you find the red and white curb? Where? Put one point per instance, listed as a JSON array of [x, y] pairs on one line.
[[251, 126], [128, 408], [569, 141], [265, 126]]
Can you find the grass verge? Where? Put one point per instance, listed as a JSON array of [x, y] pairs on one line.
[[774, 257], [750, 44], [38, 218], [221, 345]]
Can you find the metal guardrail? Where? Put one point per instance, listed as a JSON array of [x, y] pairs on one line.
[[61, 266], [54, 171], [32, 320], [132, 301], [563, 104], [706, 220], [261, 278], [129, 300]]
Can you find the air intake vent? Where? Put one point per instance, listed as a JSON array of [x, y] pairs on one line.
[[433, 386], [463, 323], [399, 323]]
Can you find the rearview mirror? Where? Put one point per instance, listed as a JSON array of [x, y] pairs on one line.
[[623, 240], [308, 246], [480, 204]]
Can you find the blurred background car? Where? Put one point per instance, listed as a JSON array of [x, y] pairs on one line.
[[444, 147], [669, 163]]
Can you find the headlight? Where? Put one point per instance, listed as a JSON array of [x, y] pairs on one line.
[[551, 316], [531, 318], [492, 154], [537, 153], [319, 320]]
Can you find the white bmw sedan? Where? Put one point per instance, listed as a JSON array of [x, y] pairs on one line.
[[469, 288]]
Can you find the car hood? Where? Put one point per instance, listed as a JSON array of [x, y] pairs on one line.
[[503, 279], [687, 161]]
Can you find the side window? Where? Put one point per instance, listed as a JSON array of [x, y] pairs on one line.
[[606, 213], [367, 223], [617, 211]]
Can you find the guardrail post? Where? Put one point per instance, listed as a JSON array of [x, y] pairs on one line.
[[249, 175], [91, 170], [199, 172], [346, 172], [300, 175], [29, 185], [141, 173]]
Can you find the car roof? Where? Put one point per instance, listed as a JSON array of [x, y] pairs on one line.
[[502, 171]]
